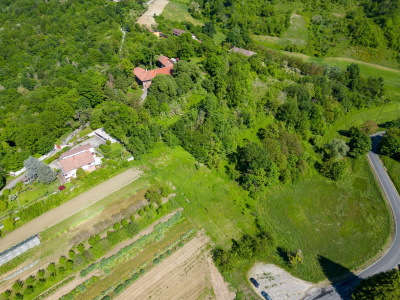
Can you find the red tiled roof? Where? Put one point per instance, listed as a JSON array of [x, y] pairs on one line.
[[165, 61], [77, 161], [178, 32], [76, 150], [144, 75]]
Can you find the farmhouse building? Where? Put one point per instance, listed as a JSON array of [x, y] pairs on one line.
[[145, 77], [81, 157], [177, 32], [243, 51]]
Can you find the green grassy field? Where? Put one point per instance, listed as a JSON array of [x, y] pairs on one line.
[[347, 221], [210, 201], [297, 33], [177, 11], [393, 168], [378, 114], [317, 215], [391, 76]]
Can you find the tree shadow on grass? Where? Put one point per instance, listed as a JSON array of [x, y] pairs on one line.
[[336, 272], [283, 253]]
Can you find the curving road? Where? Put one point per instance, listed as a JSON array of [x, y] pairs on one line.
[[391, 258]]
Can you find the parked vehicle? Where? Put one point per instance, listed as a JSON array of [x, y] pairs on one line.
[[266, 296], [254, 282]]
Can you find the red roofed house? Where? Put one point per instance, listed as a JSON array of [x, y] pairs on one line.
[[177, 32], [145, 77], [81, 157]]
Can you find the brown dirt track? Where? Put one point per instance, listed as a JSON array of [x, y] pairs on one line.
[[69, 208], [155, 8], [187, 274]]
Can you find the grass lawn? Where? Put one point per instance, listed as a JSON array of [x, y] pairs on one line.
[[210, 201], [178, 11], [378, 114], [81, 133], [346, 222], [219, 37], [36, 191], [297, 33], [393, 167]]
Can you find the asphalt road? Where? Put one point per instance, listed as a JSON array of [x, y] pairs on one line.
[[391, 258]]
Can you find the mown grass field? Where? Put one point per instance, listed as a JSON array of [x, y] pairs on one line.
[[346, 222], [393, 168], [177, 11], [378, 114], [210, 201]]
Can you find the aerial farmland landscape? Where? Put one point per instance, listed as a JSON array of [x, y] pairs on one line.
[[205, 149]]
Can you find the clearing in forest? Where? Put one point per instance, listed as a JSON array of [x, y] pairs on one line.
[[189, 273], [155, 8]]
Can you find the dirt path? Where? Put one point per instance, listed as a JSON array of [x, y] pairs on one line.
[[186, 274], [69, 208], [155, 8]]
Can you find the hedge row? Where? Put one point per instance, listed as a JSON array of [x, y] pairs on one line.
[[80, 288], [127, 252], [122, 284]]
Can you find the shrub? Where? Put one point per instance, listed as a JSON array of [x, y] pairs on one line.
[[153, 194], [142, 271], [81, 248], [17, 286], [180, 244], [29, 290], [124, 222], [97, 238], [92, 241], [83, 273], [6, 192], [3, 205], [140, 212], [30, 280], [41, 282], [108, 142], [7, 293], [162, 257], [156, 261], [71, 254], [169, 252], [51, 267], [132, 218], [41, 273], [117, 226], [119, 289], [135, 276], [106, 298], [62, 260]]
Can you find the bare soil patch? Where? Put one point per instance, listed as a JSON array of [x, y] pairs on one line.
[[189, 273], [278, 283], [155, 8], [69, 208]]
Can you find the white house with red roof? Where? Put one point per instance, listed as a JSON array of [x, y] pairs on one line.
[[81, 157]]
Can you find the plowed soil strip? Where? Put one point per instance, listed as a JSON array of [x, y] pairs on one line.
[[186, 274]]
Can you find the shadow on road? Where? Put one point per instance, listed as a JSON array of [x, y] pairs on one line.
[[375, 141], [334, 272]]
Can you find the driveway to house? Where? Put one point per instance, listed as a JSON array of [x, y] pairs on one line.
[[155, 8], [391, 258], [69, 208], [13, 183]]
